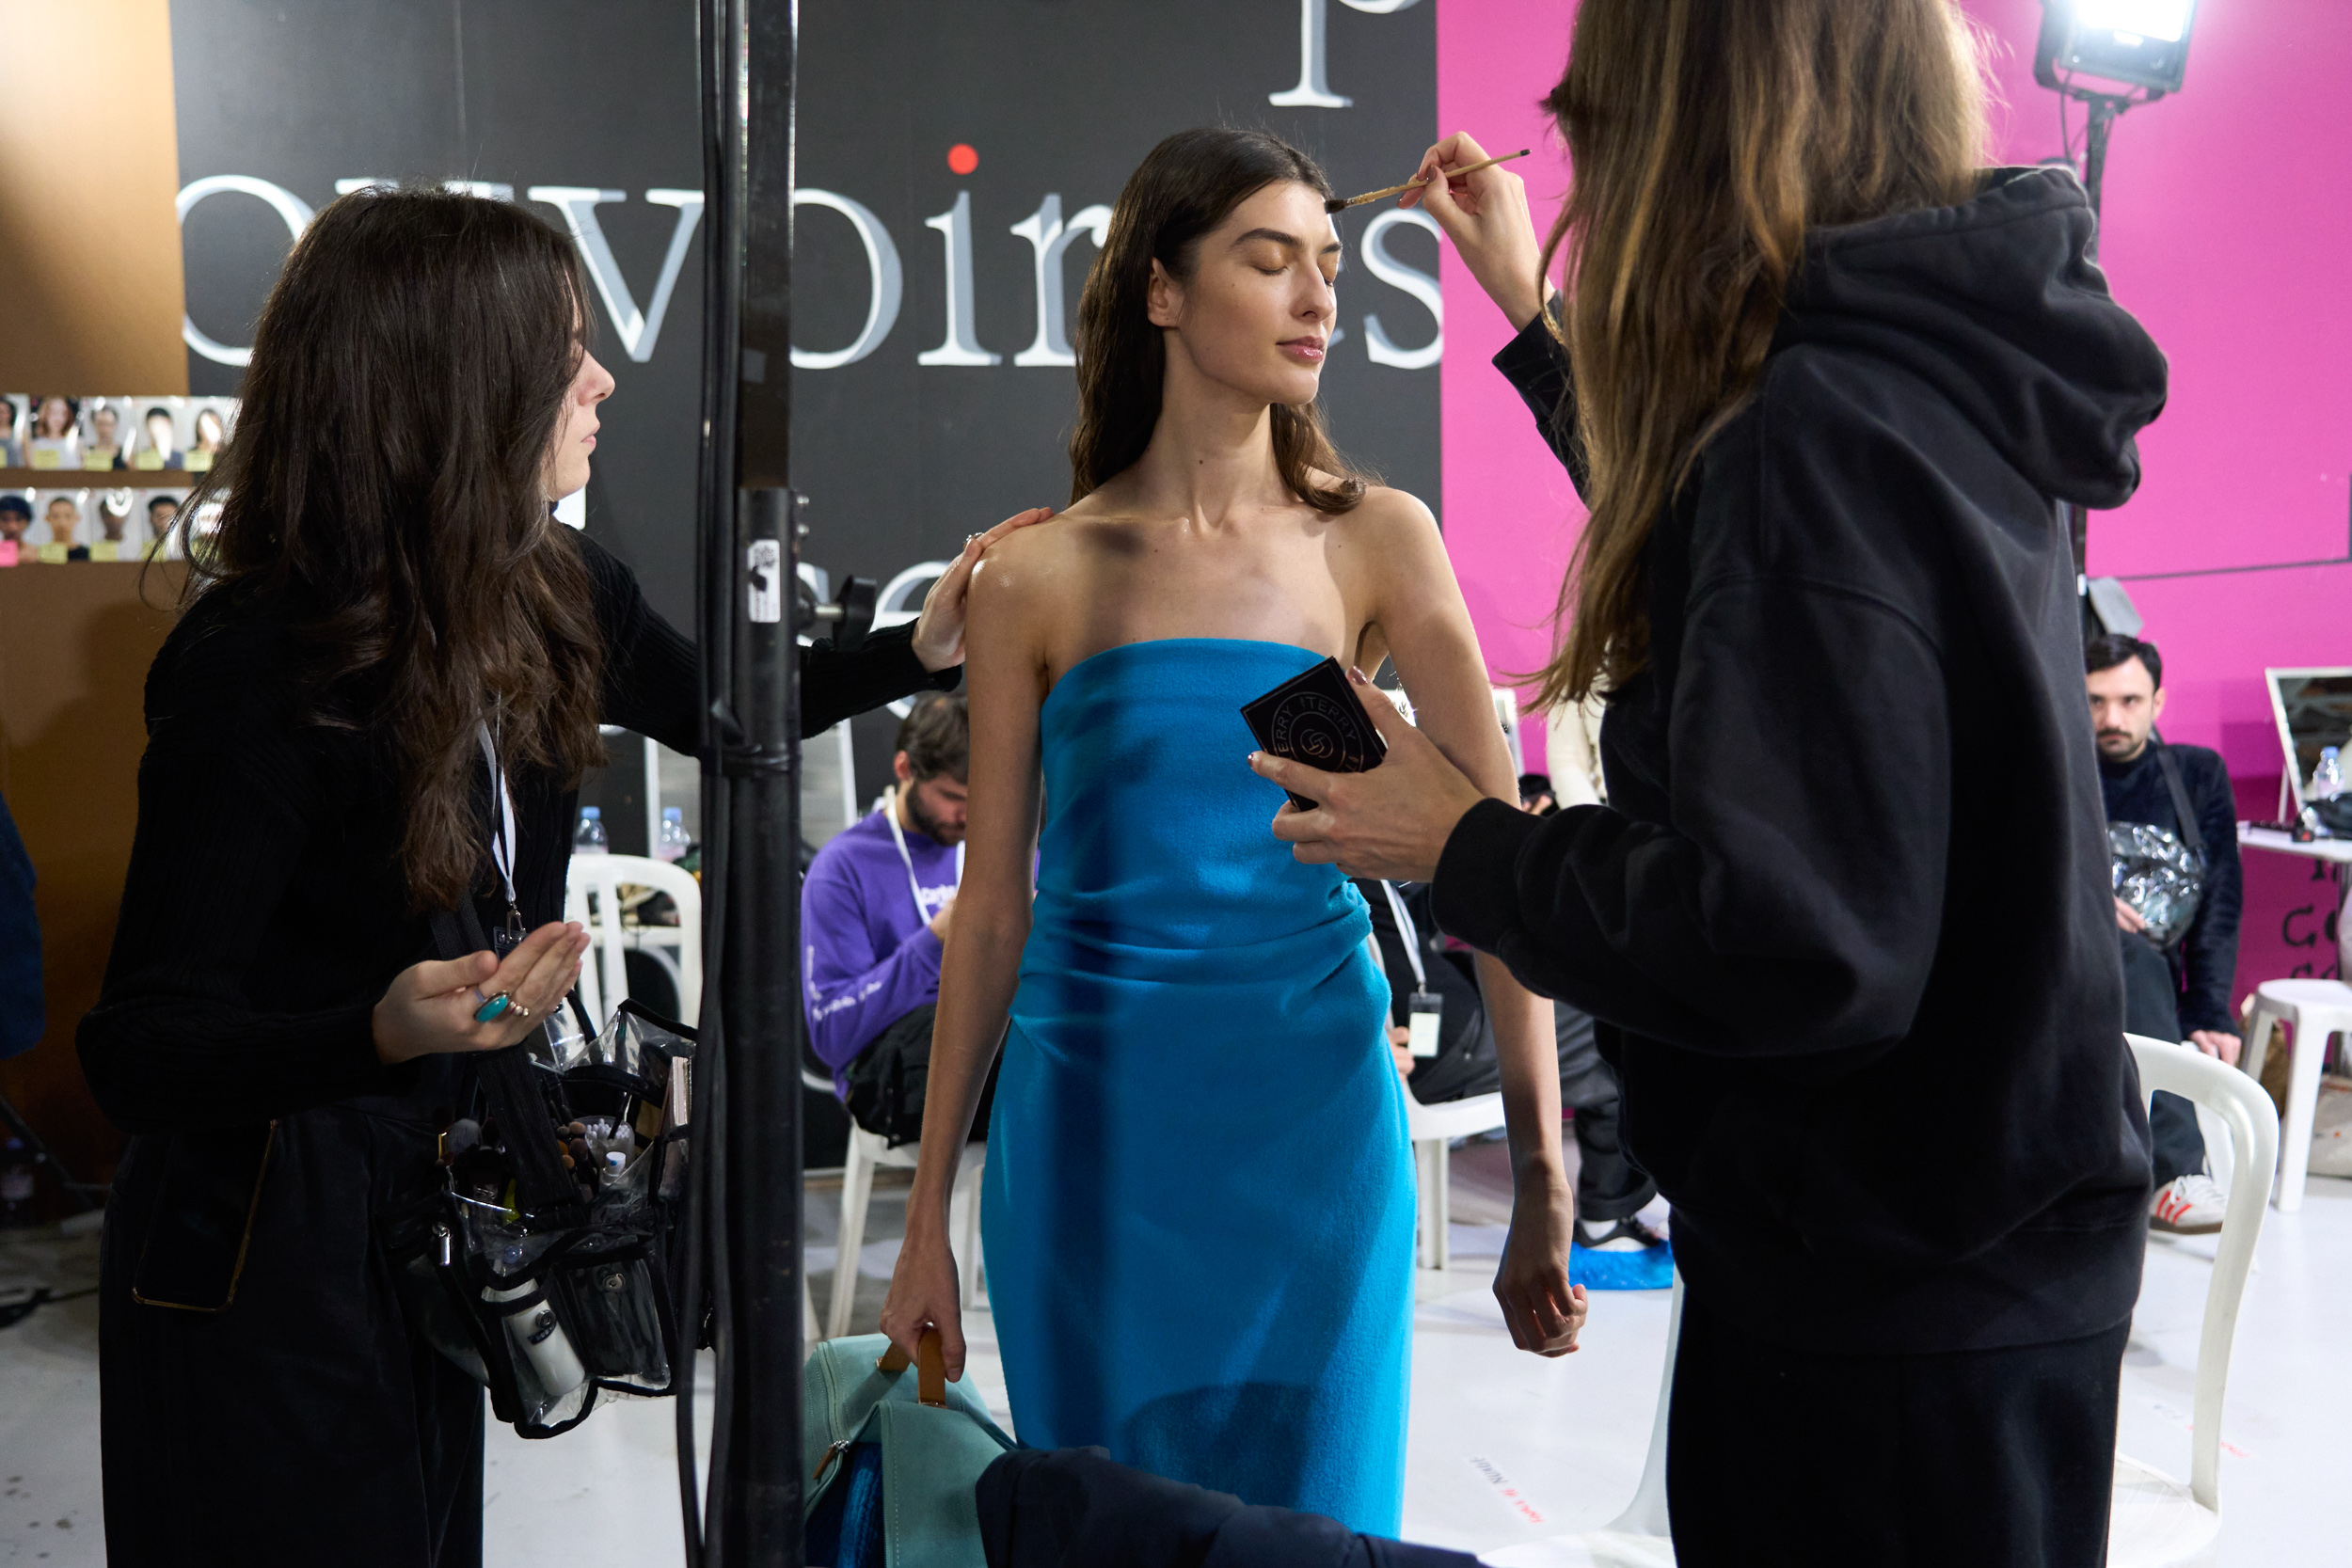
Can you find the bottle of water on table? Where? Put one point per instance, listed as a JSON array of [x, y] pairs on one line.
[[674, 843], [588, 838]]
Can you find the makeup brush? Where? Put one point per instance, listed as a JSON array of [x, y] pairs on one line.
[[1336, 205]]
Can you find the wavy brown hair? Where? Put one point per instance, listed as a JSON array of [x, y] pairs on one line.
[[383, 494], [1182, 189], [1707, 138]]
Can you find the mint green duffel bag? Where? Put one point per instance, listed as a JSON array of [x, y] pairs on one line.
[[896, 1457]]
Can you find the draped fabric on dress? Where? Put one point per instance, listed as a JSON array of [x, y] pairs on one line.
[[1199, 1201]]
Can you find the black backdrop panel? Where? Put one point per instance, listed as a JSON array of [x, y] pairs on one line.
[[901, 459]]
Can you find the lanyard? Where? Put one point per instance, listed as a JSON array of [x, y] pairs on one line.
[[1411, 934], [502, 846], [898, 837]]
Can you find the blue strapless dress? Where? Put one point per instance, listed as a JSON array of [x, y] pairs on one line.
[[1199, 1197]]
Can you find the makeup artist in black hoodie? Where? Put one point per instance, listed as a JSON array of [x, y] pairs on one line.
[[1846, 920]]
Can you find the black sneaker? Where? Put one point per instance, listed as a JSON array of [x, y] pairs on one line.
[[1627, 1235]]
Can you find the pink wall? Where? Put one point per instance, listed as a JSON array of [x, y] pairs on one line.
[[2227, 224]]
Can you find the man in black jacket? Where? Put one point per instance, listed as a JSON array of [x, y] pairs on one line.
[[2176, 981]]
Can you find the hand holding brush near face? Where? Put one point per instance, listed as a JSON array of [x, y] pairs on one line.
[[1483, 210]]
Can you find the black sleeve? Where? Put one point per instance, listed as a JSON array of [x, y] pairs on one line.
[[2209, 955], [229, 791], [653, 681], [1790, 909], [22, 1014], [1536, 365]]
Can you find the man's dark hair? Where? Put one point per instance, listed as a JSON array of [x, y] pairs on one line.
[[158, 412], [2111, 648], [162, 498], [937, 737], [15, 506]]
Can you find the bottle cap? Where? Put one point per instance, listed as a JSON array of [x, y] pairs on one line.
[[591, 811]]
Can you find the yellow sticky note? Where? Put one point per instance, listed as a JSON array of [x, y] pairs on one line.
[[105, 549], [54, 555], [46, 457], [148, 460], [97, 460], [200, 461]]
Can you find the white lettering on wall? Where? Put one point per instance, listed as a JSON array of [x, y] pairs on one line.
[[1314, 90], [1411, 280], [885, 282], [289, 207], [959, 347], [638, 330], [1050, 237]]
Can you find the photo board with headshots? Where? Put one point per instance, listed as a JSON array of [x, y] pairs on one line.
[[102, 478]]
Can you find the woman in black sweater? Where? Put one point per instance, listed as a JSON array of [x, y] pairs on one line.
[[386, 591], [1845, 921]]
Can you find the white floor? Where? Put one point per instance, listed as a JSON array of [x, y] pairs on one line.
[[1504, 1447]]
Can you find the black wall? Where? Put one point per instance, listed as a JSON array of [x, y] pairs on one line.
[[900, 460]]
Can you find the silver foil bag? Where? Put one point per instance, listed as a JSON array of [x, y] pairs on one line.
[[2158, 876]]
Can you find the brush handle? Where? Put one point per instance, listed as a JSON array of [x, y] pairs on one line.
[[1415, 184]]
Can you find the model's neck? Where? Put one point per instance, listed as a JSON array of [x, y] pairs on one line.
[[1212, 453]]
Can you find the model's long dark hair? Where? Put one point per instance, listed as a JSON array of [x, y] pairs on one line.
[[384, 494], [1186, 186], [1707, 137]]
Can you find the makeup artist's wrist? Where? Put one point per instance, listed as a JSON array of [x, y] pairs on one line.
[[1524, 303]]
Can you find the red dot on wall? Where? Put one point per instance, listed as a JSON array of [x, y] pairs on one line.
[[963, 158]]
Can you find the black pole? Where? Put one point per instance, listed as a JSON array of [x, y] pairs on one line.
[[2104, 108], [756, 1514]]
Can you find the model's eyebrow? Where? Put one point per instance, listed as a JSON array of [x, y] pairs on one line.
[[1288, 242]]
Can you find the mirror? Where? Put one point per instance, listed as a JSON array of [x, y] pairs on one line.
[[2314, 711]]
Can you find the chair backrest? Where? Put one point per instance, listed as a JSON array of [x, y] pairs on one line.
[[2253, 1121], [592, 896]]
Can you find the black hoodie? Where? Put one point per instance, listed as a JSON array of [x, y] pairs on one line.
[[1847, 913]]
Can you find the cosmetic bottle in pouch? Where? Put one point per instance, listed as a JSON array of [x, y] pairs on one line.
[[537, 1334]]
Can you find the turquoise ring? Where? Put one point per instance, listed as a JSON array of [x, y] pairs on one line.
[[491, 1010]]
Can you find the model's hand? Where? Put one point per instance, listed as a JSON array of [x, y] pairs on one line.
[[1390, 822], [2127, 918], [1485, 217], [1542, 1309], [925, 1292], [429, 1009], [2218, 1043], [939, 632]]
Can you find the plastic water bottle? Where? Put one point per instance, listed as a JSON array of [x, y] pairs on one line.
[[674, 843], [538, 1334], [16, 1186], [588, 839], [2328, 777]]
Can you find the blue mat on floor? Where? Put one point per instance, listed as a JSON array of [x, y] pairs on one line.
[[1650, 1269]]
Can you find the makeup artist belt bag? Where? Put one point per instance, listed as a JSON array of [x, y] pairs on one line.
[[897, 1452]]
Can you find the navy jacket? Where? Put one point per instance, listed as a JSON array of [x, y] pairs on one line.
[[1848, 914]]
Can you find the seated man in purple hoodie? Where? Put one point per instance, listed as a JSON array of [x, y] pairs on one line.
[[874, 914]]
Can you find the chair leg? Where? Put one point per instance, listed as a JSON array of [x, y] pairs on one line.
[[973, 1262], [857, 1186], [1441, 1211], [1424, 1188], [2295, 1137]]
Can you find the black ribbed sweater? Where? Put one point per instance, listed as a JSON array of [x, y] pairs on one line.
[[265, 912]]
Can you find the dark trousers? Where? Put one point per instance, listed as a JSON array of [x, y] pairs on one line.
[[1966, 1459], [2151, 1006], [307, 1422]]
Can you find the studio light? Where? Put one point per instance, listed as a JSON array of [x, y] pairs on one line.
[[2143, 43]]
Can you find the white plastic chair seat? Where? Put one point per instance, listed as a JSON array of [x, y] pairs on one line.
[[1431, 1128], [2314, 1009], [2156, 1522]]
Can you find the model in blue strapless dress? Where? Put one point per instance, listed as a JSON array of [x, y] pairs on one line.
[[1199, 1198]]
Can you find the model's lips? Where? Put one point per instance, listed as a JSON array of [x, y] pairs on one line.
[[1309, 349]]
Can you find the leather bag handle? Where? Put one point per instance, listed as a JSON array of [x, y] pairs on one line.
[[931, 1368]]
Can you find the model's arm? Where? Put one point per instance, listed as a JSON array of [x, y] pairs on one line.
[[982, 967], [1420, 616]]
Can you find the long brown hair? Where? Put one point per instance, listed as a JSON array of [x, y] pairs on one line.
[[1707, 138], [1186, 187], [384, 494]]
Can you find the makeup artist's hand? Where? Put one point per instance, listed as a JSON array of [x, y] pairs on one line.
[[1390, 822], [428, 1010], [939, 634], [1485, 217]]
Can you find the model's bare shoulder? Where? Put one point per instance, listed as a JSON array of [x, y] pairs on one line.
[[1391, 511]]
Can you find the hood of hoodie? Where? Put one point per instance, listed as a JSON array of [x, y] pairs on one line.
[[1994, 304]]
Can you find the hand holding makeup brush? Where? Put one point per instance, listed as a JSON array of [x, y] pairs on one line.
[[1485, 217]]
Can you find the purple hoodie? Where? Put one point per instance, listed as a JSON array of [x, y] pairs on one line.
[[868, 957]]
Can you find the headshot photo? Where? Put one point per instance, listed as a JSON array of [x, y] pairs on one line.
[[104, 449], [159, 441], [16, 520], [54, 440]]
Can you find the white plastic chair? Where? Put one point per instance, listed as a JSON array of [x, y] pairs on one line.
[[592, 896], [868, 1153], [1639, 1537], [2314, 1009], [2157, 1521], [1431, 1129]]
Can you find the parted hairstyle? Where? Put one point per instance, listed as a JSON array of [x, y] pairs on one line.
[[1182, 189], [936, 735], [383, 494], [1707, 137]]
